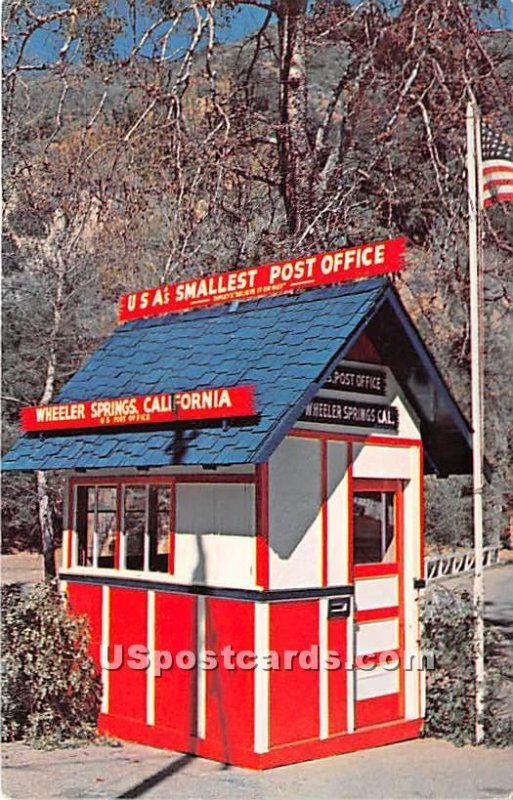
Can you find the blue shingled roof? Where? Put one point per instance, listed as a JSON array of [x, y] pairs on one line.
[[283, 345]]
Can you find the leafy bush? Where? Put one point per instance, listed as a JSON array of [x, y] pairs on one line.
[[448, 630], [51, 689]]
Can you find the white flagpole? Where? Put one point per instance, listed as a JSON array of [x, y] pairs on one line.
[[474, 208]]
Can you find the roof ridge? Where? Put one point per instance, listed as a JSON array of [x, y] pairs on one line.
[[246, 306]]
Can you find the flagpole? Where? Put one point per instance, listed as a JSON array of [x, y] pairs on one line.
[[474, 207]]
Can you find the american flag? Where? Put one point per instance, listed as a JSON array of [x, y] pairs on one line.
[[497, 163]]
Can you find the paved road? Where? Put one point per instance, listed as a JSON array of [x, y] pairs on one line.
[[498, 597], [419, 769]]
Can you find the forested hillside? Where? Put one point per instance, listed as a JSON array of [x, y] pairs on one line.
[[141, 147]]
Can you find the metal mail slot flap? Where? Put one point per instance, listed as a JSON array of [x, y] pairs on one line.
[[339, 607]]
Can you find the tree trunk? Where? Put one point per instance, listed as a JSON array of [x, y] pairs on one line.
[[43, 498], [46, 525], [294, 148]]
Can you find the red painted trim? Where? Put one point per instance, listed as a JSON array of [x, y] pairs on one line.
[[172, 530], [385, 708], [337, 679], [117, 480], [422, 511], [262, 516], [369, 737], [420, 676], [374, 614], [214, 478], [350, 525], [376, 485], [381, 441], [375, 658], [324, 506], [400, 559], [117, 545], [379, 570], [69, 526], [362, 571]]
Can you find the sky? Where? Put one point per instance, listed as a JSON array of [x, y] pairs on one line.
[[45, 44]]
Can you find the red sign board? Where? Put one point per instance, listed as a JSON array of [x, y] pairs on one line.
[[198, 404], [363, 261]]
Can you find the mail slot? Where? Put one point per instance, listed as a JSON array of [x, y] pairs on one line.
[[339, 607]]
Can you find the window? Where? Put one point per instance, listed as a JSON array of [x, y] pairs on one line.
[[145, 526], [160, 524], [374, 527], [96, 525], [134, 526]]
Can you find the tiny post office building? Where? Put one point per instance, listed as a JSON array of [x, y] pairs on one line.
[[284, 526]]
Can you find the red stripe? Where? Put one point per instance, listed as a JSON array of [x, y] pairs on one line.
[[306, 433], [493, 182], [262, 538], [378, 709], [366, 659], [371, 614], [498, 198], [375, 570], [172, 531], [498, 168], [324, 482]]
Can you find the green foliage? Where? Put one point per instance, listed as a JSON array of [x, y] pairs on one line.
[[51, 689], [448, 629]]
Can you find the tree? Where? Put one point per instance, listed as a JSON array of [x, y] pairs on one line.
[[330, 123]]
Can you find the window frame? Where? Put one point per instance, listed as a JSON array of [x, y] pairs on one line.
[[378, 568], [121, 481], [120, 484]]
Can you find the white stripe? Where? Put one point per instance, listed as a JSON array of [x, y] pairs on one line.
[[498, 163], [201, 689], [496, 191], [150, 672], [261, 699], [375, 637], [376, 683], [105, 647], [65, 548], [323, 672], [498, 175], [351, 677]]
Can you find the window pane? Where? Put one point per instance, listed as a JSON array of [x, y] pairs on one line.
[[163, 498], [91, 495], [159, 527], [88, 562], [106, 498], [134, 540], [106, 531], [135, 498], [84, 524], [373, 527]]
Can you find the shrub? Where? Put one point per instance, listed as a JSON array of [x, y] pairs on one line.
[[448, 631], [51, 689]]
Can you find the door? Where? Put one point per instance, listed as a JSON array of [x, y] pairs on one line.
[[377, 544]]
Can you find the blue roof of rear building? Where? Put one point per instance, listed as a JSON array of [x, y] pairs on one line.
[[285, 346]]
